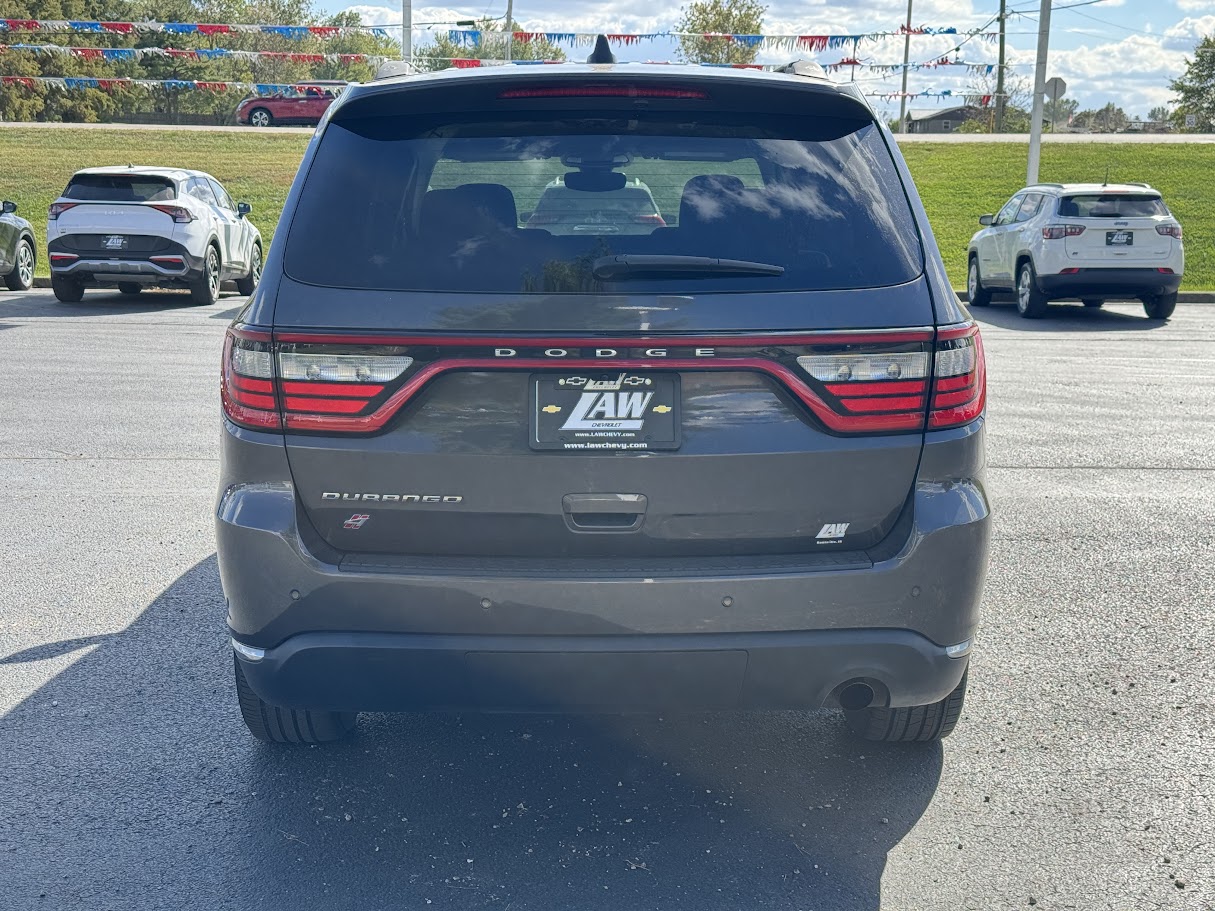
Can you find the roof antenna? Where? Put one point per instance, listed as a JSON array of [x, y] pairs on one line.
[[602, 52]]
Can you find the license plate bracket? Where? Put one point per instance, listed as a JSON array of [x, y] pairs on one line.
[[114, 242], [593, 410], [1119, 239]]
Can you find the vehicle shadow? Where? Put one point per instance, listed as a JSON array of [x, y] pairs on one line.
[[130, 782], [1069, 317], [103, 302]]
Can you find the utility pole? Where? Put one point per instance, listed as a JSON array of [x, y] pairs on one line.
[[1035, 122], [906, 61], [407, 30], [510, 29], [1000, 73]]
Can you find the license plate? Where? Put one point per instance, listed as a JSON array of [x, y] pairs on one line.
[[1119, 239], [114, 242], [593, 410]]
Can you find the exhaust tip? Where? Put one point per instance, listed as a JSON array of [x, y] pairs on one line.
[[856, 696]]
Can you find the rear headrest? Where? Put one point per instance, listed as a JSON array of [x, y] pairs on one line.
[[1069, 209], [707, 197], [471, 204]]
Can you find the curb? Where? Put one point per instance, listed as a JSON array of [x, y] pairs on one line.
[[1185, 297]]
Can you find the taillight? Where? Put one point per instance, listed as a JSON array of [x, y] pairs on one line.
[[1169, 230], [63, 259], [602, 91], [873, 390], [58, 208], [959, 385], [1055, 232], [316, 383], [247, 389], [654, 220], [179, 214]]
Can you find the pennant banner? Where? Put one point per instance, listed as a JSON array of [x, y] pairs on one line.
[[77, 83], [216, 53], [470, 37]]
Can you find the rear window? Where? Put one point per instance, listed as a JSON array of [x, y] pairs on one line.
[[119, 188], [541, 207], [1112, 205]]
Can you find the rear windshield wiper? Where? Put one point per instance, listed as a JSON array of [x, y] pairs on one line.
[[632, 265]]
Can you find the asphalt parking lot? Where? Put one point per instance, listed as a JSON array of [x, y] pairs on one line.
[[1082, 775]]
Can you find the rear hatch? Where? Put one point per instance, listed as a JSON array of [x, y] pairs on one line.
[[1120, 228], [751, 378], [109, 216]]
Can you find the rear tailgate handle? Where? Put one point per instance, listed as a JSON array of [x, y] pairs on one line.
[[604, 512]]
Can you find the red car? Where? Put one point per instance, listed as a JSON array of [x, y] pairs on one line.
[[302, 103]]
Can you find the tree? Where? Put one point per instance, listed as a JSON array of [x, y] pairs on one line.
[[1196, 88], [1059, 112], [1159, 114], [719, 17], [1108, 119], [1016, 104], [438, 55]]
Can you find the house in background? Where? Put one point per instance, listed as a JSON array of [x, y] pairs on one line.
[[937, 120]]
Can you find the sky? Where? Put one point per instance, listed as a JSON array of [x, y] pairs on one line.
[[1124, 51]]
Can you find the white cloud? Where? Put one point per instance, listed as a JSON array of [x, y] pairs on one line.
[[1195, 6]]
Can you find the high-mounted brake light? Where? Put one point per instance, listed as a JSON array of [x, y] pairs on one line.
[[1056, 232], [58, 208], [1169, 230], [603, 91], [179, 214]]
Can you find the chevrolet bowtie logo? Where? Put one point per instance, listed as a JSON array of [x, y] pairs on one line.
[[662, 409], [551, 409]]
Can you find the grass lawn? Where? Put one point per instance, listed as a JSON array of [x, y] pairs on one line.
[[958, 182]]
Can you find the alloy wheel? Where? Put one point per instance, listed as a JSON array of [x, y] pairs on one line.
[[25, 264]]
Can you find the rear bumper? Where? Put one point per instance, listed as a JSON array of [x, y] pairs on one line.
[[393, 672], [135, 268], [775, 635], [1112, 282]]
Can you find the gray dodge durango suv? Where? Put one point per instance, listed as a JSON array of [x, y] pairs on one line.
[[732, 460]]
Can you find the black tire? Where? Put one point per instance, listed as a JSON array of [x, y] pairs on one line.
[[1093, 303], [248, 284], [1031, 303], [22, 276], [977, 295], [913, 724], [278, 725], [205, 289], [1161, 306], [260, 117], [67, 290], [130, 289]]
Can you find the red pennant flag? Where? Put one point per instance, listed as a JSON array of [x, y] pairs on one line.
[[121, 28], [87, 53], [812, 42], [307, 58], [465, 64], [213, 29], [325, 31], [22, 25]]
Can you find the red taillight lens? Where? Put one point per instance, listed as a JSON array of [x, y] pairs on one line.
[[168, 260], [63, 258], [602, 91], [247, 389], [874, 390], [959, 388], [179, 214], [58, 208], [1169, 230], [320, 380], [1056, 232]]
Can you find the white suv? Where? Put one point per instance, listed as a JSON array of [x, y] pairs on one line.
[[139, 227], [1079, 240]]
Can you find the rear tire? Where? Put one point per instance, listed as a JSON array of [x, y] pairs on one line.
[[205, 289], [1161, 306], [278, 725], [67, 290], [978, 295], [1031, 303], [248, 284], [130, 289], [22, 276], [911, 724], [1093, 303]]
